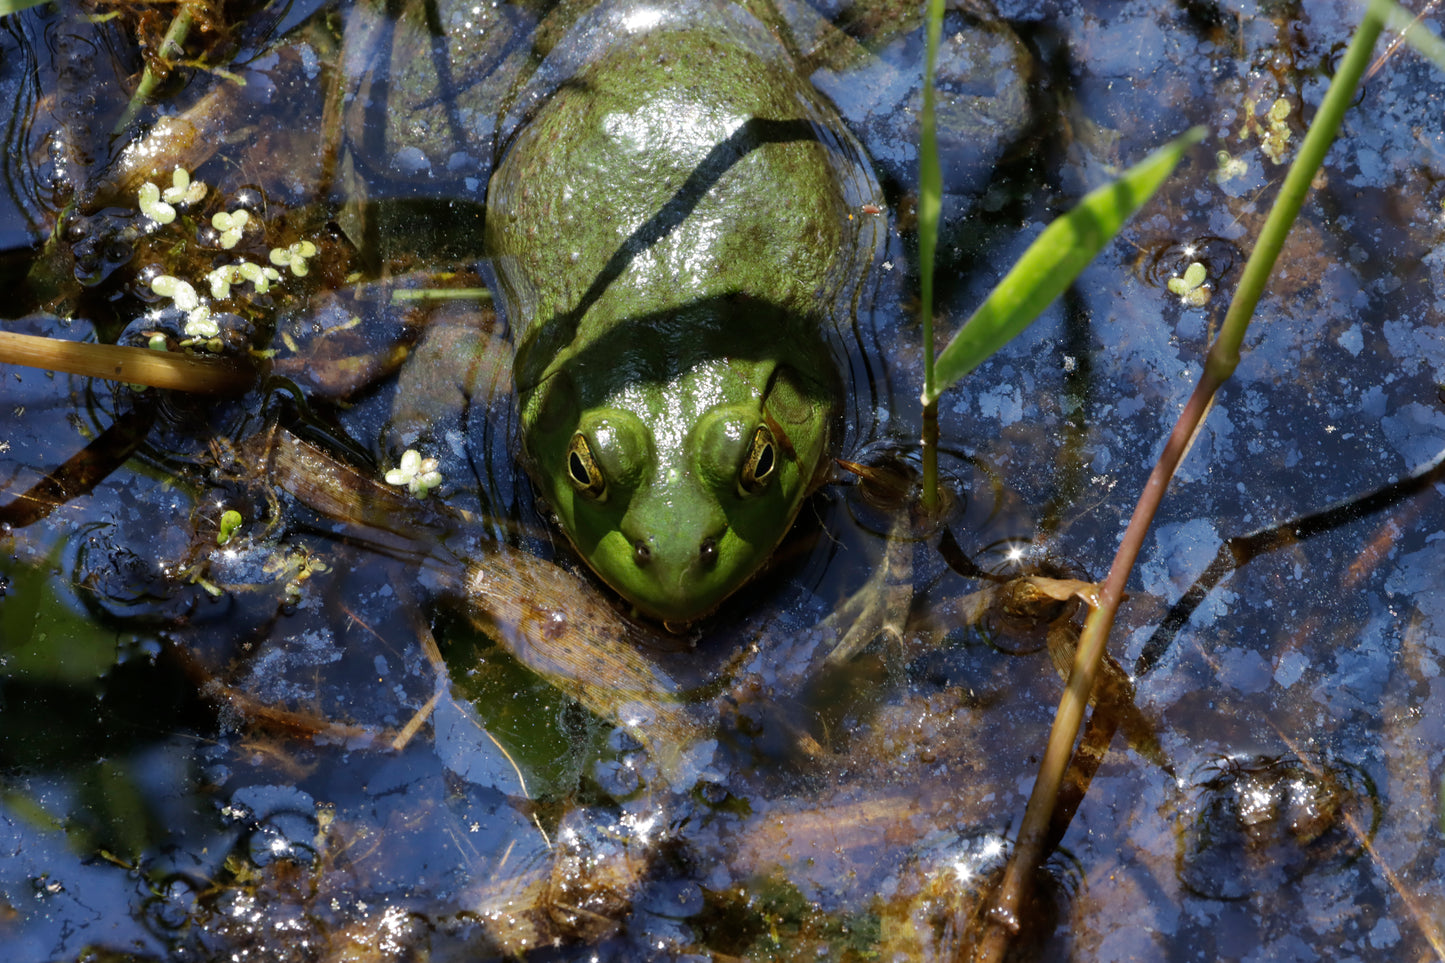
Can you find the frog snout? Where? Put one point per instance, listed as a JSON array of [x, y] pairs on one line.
[[678, 541], [680, 555]]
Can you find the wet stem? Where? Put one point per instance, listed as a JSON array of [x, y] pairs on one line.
[[1219, 366], [930, 201], [171, 45]]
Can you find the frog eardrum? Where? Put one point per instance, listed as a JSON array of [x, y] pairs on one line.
[[672, 226]]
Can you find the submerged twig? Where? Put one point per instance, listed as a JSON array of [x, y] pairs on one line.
[[1411, 31], [1220, 364], [139, 366], [1239, 550], [80, 473]]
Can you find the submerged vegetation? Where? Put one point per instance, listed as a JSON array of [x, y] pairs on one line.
[[339, 718]]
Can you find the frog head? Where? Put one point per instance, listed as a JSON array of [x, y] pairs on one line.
[[675, 471]]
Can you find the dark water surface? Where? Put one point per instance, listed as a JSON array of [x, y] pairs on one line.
[[245, 752]]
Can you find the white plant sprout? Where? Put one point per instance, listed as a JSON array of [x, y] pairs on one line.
[[418, 474], [294, 257], [201, 327], [160, 206]]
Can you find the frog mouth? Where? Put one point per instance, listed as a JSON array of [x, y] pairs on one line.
[[677, 592]]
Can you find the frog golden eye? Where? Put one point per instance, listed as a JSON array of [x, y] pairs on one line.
[[583, 470], [760, 464]]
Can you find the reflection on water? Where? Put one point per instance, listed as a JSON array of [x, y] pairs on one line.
[[254, 751]]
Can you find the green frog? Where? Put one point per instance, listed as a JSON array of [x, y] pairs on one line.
[[676, 224]]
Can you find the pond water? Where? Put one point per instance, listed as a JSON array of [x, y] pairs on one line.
[[253, 751]]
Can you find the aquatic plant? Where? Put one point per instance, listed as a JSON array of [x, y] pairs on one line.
[[231, 225], [1001, 924], [419, 475], [1190, 286], [294, 257]]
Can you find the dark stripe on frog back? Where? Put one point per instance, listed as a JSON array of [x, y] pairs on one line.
[[548, 309]]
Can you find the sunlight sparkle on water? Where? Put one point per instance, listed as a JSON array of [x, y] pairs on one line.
[[1256, 803], [967, 866], [641, 826], [644, 18], [391, 929]]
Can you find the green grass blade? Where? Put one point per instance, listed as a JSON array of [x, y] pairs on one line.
[[15, 6], [930, 187], [1223, 354], [1052, 262], [930, 205]]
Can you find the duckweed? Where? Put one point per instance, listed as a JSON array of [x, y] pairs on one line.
[[153, 207], [418, 474], [183, 190], [231, 225], [178, 291], [294, 257], [160, 206], [1191, 288]]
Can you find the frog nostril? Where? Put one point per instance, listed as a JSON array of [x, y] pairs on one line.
[[641, 554], [707, 552]]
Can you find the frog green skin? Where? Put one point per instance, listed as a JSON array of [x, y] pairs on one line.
[[675, 224]]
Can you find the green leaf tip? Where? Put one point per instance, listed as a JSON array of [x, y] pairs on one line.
[[15, 6], [1053, 261], [230, 521]]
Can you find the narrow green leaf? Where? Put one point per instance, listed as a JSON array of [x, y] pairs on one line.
[[930, 205], [1223, 355], [15, 6], [1052, 262], [930, 184]]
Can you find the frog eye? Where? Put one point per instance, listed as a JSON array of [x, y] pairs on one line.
[[760, 463], [583, 470]]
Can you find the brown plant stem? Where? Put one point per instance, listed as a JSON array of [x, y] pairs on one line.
[[140, 366], [80, 473], [1029, 851]]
